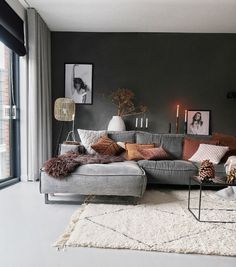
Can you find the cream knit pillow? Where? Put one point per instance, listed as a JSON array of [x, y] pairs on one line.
[[210, 152], [88, 137]]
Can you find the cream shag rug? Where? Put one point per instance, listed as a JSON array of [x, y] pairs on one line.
[[161, 222]]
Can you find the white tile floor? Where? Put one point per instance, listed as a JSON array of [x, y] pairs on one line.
[[28, 227]]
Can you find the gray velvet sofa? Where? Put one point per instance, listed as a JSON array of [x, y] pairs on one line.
[[176, 171], [129, 178]]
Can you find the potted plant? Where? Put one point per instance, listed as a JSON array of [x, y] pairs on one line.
[[124, 100]]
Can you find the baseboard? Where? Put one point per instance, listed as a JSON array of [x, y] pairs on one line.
[[9, 182]]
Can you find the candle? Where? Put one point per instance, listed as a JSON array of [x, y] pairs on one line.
[[141, 123], [146, 122], [136, 123], [185, 115], [177, 111]]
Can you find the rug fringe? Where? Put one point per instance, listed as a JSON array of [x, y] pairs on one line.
[[60, 244]]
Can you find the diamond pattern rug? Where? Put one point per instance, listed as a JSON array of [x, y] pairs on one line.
[[160, 222]]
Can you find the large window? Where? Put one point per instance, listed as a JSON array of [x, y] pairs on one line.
[[8, 114]]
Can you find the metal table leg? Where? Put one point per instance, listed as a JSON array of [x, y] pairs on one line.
[[189, 189], [200, 202], [199, 209]]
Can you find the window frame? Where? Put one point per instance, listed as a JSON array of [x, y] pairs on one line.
[[14, 128]]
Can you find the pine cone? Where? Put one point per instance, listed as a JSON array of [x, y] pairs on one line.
[[206, 170], [231, 177]]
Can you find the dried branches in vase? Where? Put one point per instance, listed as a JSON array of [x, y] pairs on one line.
[[124, 100]]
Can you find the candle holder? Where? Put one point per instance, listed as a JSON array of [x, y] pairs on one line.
[[146, 123], [140, 123], [185, 127], [177, 120], [177, 125], [136, 123], [185, 121], [169, 130]]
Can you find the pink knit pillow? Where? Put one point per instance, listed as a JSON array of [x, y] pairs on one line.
[[156, 153]]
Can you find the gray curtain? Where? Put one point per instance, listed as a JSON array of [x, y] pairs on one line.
[[39, 147]]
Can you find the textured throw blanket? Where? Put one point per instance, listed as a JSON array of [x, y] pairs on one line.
[[65, 164]]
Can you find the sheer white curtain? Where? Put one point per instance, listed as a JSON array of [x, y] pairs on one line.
[[36, 120]]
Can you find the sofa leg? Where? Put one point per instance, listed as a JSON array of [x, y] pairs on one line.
[[135, 201], [49, 201], [99, 199], [46, 199]]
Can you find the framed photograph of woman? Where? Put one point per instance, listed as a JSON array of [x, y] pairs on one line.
[[198, 122], [79, 82]]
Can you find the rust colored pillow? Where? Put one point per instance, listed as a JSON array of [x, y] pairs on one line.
[[106, 146], [226, 140], [192, 145], [132, 150], [154, 153]]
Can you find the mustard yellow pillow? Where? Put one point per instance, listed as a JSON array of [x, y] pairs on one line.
[[132, 150]]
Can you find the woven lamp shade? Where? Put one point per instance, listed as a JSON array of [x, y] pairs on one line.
[[64, 109]]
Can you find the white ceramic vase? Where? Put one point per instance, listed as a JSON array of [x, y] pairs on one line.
[[116, 124]]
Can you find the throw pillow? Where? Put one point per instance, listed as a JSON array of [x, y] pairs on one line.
[[191, 146], [132, 150], [210, 152], [121, 144], [106, 146], [88, 138], [226, 140], [156, 153]]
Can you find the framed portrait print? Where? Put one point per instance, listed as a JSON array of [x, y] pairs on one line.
[[79, 82], [198, 122]]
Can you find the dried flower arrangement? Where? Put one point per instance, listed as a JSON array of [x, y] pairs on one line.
[[124, 100]]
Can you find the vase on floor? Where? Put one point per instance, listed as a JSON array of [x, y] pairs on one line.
[[116, 124]]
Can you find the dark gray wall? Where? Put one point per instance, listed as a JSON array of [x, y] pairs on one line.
[[194, 70]]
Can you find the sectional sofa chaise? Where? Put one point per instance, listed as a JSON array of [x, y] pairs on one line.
[[129, 178]]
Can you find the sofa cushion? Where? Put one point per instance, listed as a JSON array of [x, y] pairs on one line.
[[106, 146], [111, 169], [209, 152], [156, 153], [172, 143], [126, 136], [148, 138], [191, 145], [117, 179], [226, 140], [132, 150], [89, 137], [168, 171]]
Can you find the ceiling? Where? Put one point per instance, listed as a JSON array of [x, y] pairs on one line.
[[138, 15]]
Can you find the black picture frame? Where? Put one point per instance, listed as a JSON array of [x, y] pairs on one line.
[[199, 122], [78, 80]]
